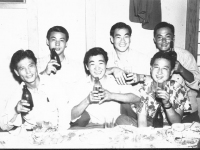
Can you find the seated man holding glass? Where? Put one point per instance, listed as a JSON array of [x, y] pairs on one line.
[[162, 92]]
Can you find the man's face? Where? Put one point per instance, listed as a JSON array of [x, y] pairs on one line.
[[97, 66], [161, 70], [121, 40], [58, 41], [27, 70], [163, 38]]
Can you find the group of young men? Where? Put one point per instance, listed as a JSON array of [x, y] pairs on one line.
[[66, 97]]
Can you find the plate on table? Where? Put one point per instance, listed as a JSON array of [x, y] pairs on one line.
[[95, 137], [195, 127], [187, 142]]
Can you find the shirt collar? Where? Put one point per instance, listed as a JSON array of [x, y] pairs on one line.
[[42, 81]]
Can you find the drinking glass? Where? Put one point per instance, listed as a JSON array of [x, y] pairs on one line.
[[128, 71], [159, 86], [109, 124]]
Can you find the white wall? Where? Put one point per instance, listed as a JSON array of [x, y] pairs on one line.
[[88, 23], [67, 13], [108, 12], [13, 36]]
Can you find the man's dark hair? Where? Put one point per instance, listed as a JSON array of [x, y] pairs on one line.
[[94, 52], [162, 25], [120, 25], [171, 56], [58, 29], [17, 57]]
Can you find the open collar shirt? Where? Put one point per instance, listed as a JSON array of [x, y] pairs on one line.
[[178, 97], [70, 73], [106, 111], [133, 62], [51, 104], [188, 61]]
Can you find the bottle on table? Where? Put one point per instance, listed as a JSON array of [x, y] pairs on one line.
[[26, 95], [158, 118], [55, 56]]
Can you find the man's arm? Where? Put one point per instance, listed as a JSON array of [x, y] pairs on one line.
[[79, 109], [187, 75], [174, 113], [8, 120], [173, 116], [119, 97], [121, 76], [118, 73]]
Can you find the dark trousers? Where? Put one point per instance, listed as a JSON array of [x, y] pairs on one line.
[[191, 117], [82, 121]]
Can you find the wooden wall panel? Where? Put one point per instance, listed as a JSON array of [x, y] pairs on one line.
[[192, 27]]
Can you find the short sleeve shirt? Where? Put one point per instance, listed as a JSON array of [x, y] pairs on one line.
[[50, 105], [105, 111], [178, 97]]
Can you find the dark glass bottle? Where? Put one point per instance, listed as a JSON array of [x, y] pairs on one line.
[[55, 56], [26, 95], [158, 118], [97, 85]]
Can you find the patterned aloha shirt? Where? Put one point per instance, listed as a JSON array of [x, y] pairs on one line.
[[178, 97]]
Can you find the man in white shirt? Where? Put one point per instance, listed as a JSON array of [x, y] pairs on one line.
[[49, 99], [104, 105], [70, 72], [126, 64]]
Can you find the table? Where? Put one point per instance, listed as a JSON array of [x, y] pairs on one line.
[[123, 136]]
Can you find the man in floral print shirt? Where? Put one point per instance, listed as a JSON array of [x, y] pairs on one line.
[[178, 97], [174, 99]]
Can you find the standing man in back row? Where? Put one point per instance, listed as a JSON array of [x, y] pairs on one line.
[[186, 69], [125, 63], [70, 72]]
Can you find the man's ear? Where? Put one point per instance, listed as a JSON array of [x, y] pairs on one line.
[[47, 42], [150, 70], [66, 44], [172, 71], [86, 67], [16, 72], [111, 39], [154, 40], [173, 38]]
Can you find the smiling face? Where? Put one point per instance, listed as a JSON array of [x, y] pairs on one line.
[[121, 40], [27, 70], [58, 41], [96, 66], [162, 38], [161, 70]]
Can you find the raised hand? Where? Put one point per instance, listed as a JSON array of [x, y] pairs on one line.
[[51, 67], [119, 75], [21, 106]]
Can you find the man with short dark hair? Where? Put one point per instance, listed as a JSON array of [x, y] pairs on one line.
[[50, 104], [104, 105]]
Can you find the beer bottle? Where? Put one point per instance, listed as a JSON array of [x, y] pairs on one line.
[[158, 118], [97, 85], [26, 95], [55, 56]]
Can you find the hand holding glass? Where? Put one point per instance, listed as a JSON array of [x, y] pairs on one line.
[[160, 86]]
